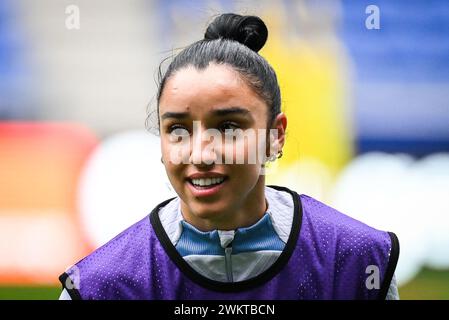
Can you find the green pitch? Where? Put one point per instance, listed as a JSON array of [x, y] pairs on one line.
[[429, 284]]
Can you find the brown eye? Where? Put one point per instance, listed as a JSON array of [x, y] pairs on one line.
[[178, 130], [228, 125]]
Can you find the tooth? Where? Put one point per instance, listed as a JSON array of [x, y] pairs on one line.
[[207, 181]]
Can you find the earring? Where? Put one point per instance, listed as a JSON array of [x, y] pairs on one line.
[[162, 160], [271, 158]]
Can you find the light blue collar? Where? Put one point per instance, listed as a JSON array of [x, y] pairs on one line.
[[260, 236]]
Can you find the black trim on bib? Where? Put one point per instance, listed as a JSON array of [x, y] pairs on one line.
[[73, 292], [214, 285], [392, 262]]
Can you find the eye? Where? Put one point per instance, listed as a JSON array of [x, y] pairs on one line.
[[228, 125], [178, 130]]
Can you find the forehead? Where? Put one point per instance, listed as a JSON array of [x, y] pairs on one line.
[[193, 90]]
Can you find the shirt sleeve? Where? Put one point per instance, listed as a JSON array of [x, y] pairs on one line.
[[393, 293], [64, 295]]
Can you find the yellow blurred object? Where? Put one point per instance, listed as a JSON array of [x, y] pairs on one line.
[[313, 81]]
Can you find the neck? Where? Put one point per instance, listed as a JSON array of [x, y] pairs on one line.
[[240, 215]]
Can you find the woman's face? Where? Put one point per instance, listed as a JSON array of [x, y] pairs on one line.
[[215, 169]]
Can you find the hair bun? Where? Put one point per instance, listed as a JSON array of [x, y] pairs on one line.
[[248, 30]]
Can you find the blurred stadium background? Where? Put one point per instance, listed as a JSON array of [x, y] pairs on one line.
[[368, 123]]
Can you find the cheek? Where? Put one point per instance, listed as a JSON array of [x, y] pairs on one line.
[[245, 177], [175, 152], [172, 169], [165, 151], [251, 149]]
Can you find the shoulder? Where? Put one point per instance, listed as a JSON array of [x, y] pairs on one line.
[[131, 241], [108, 262], [136, 233], [349, 233], [119, 268], [351, 247], [326, 218], [323, 221]]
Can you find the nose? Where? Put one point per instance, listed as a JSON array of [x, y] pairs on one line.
[[203, 151]]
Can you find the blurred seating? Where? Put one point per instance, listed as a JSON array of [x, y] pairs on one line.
[[401, 80], [17, 99]]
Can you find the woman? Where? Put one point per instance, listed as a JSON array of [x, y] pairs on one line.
[[227, 235]]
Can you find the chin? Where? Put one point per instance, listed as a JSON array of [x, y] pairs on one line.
[[208, 211]]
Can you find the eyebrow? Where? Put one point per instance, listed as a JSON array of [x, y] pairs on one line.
[[174, 115], [217, 112], [231, 110]]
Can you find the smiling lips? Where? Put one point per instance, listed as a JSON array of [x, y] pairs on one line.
[[206, 184]]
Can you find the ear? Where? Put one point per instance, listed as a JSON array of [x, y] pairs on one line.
[[277, 142]]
